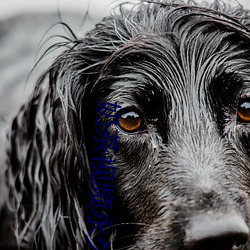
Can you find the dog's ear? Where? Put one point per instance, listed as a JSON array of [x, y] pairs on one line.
[[48, 163], [40, 158]]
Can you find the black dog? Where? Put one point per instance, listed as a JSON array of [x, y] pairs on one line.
[[179, 77]]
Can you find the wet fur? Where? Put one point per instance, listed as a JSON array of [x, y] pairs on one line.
[[185, 68]]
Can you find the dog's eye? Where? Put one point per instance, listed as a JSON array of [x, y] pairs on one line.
[[131, 121], [243, 113]]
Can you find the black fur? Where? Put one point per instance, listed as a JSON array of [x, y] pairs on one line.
[[185, 69]]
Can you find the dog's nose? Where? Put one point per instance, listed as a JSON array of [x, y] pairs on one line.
[[217, 232]]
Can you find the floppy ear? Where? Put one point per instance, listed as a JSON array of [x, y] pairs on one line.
[[40, 158], [48, 159]]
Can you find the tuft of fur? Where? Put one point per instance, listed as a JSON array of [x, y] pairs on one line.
[[184, 66]]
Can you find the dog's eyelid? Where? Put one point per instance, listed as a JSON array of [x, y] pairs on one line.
[[245, 95], [131, 107]]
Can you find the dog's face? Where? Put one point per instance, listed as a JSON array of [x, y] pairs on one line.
[[183, 160], [182, 78]]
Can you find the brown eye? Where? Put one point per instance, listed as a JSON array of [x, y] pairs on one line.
[[131, 121], [243, 113]]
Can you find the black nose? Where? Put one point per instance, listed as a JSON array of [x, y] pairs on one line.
[[217, 232]]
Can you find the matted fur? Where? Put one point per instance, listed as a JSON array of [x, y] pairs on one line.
[[185, 67]]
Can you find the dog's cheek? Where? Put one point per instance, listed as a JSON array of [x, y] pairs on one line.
[[239, 138], [133, 179], [244, 139]]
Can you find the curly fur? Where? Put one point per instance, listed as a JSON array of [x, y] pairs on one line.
[[184, 66]]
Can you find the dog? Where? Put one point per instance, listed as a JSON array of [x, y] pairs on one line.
[[137, 136]]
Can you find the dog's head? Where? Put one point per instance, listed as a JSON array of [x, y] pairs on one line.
[[181, 75]]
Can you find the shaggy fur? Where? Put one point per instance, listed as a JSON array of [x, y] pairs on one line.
[[184, 70]]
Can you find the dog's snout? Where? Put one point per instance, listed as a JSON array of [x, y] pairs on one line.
[[222, 232]]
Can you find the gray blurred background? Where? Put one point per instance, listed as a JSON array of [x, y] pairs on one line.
[[25, 25]]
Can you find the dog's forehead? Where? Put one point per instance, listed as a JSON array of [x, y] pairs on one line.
[[189, 53], [185, 66]]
